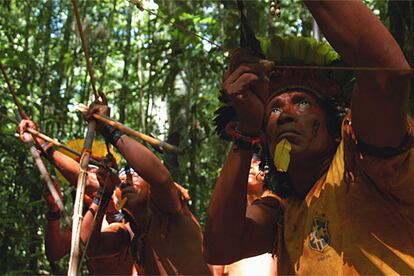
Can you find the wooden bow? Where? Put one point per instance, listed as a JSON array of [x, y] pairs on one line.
[[38, 160]]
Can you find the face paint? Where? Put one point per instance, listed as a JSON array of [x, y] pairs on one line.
[[281, 156], [315, 128]]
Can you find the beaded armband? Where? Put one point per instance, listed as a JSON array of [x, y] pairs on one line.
[[45, 148], [243, 140], [102, 198], [111, 134]]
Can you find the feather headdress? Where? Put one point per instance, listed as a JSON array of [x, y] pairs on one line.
[[328, 85]]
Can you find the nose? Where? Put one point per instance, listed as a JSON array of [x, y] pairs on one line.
[[123, 185], [285, 117]]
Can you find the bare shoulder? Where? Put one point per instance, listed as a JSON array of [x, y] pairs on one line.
[[267, 209], [115, 226], [120, 229]]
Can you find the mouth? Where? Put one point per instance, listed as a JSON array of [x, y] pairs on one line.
[[287, 134], [128, 190]]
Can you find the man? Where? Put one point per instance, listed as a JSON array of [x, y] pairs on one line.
[[348, 207], [57, 240], [167, 237]]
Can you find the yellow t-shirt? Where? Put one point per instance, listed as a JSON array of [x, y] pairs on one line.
[[361, 226]]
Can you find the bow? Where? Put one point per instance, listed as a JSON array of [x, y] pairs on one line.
[[31, 142], [75, 260], [247, 38]]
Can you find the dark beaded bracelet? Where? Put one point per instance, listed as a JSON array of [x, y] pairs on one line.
[[102, 198], [241, 144], [243, 140], [45, 148], [52, 216], [111, 134]]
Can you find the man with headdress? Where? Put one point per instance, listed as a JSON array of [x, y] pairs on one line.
[[58, 240], [347, 202]]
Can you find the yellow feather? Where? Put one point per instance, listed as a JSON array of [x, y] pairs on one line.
[[98, 150], [281, 157], [121, 204]]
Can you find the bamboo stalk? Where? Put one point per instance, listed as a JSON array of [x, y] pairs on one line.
[[151, 140], [75, 253]]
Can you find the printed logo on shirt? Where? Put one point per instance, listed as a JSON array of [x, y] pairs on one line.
[[319, 237]]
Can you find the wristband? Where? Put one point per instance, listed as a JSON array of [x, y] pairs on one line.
[[52, 216], [243, 140], [111, 134], [102, 198], [93, 212], [45, 148], [240, 144]]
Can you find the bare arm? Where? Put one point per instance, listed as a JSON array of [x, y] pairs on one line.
[[379, 101], [232, 231], [68, 167], [57, 242], [109, 242], [149, 167], [103, 243], [227, 210], [230, 234], [88, 222]]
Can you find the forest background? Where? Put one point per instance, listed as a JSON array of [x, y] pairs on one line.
[[159, 79]]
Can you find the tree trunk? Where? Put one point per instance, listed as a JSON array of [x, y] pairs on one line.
[[125, 75], [60, 104], [44, 78]]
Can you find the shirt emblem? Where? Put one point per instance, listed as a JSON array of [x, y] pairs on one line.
[[319, 237]]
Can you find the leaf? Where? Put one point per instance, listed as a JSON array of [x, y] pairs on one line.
[[281, 155], [121, 204]]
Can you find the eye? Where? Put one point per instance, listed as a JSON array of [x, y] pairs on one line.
[[275, 110], [302, 102]]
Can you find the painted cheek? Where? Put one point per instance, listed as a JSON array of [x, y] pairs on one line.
[[315, 128]]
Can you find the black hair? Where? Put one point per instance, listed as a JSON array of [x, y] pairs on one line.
[[274, 180]]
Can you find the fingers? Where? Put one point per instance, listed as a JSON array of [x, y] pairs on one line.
[[242, 78], [240, 56], [98, 108], [241, 87], [101, 176], [23, 126], [106, 179], [252, 68], [267, 65], [104, 100], [246, 82]]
